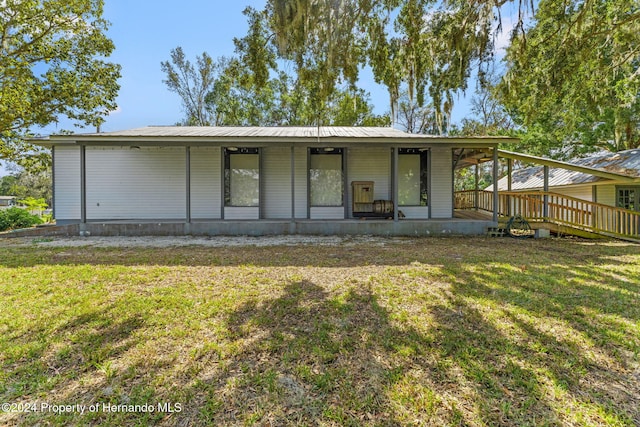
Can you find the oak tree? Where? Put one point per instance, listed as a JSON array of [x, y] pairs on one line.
[[52, 65]]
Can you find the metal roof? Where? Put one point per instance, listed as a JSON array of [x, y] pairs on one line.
[[624, 163], [270, 134], [259, 132]]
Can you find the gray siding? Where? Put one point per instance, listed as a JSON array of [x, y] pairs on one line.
[[300, 184], [206, 186], [370, 164], [276, 182], [241, 212], [67, 183], [329, 212], [145, 183], [441, 197], [607, 194], [584, 192], [415, 212]]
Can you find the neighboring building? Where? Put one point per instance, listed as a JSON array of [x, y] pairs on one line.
[[7, 202], [260, 180], [584, 185]]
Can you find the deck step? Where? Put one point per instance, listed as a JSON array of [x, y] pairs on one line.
[[495, 232]]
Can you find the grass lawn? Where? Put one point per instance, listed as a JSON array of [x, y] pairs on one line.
[[453, 331]]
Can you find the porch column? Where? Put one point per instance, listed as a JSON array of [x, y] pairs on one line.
[[495, 184], [476, 202], [345, 196], [545, 206], [187, 173], [293, 184], [394, 195], [83, 183], [509, 174]]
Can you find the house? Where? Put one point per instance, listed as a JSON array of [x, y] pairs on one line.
[[7, 202], [261, 180], [614, 189]]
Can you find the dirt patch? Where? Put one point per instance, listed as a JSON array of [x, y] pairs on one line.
[[214, 241]]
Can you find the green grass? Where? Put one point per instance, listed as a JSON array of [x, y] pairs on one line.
[[455, 331]]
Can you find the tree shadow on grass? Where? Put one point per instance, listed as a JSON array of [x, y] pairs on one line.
[[310, 357], [343, 353], [572, 329], [55, 357]]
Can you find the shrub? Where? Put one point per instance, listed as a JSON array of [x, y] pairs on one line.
[[13, 218]]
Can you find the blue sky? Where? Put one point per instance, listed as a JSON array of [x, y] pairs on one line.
[[144, 32]]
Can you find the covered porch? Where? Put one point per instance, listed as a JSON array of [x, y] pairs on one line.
[[546, 209]]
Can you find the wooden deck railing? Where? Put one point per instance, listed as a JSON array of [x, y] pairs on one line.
[[558, 209]]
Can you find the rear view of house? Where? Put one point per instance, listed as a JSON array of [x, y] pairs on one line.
[[260, 180]]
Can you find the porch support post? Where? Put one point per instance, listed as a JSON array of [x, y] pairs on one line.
[[394, 158], [509, 175], [53, 181], [345, 195], [293, 184], [495, 184], [545, 206], [223, 183], [309, 182], [476, 202], [187, 174], [83, 184]]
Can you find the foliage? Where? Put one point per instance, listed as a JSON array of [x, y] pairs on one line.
[[358, 332], [324, 41], [33, 204], [575, 74], [28, 184], [250, 89], [427, 47], [413, 118], [492, 117], [14, 218], [51, 66], [6, 184], [192, 83]]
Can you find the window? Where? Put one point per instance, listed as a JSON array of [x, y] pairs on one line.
[[325, 177], [628, 198], [412, 177], [241, 177]]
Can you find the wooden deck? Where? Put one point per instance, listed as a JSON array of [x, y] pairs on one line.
[[556, 212]]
